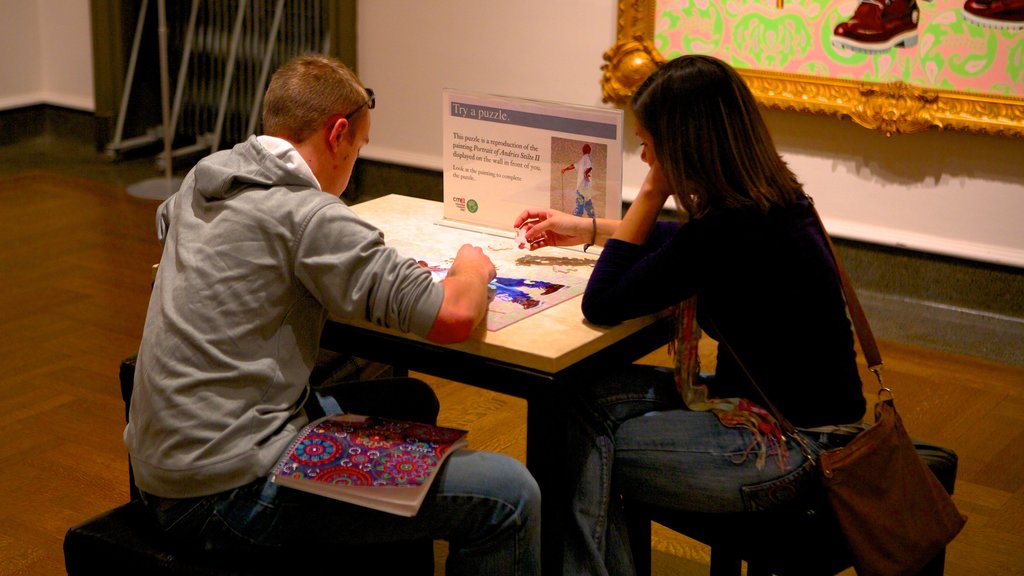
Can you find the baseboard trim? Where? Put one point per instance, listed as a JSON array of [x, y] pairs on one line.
[[930, 243], [36, 120], [945, 327]]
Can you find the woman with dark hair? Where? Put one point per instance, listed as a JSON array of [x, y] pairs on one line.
[[746, 262]]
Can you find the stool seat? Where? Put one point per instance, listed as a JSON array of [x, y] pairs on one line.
[[788, 542], [127, 541], [802, 539]]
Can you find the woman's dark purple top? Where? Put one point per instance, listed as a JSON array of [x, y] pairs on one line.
[[768, 283]]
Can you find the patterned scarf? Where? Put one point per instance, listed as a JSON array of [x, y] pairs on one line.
[[767, 436]]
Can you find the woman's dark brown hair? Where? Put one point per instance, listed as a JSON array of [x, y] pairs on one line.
[[710, 138]]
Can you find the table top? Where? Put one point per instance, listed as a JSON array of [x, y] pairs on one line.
[[550, 340]]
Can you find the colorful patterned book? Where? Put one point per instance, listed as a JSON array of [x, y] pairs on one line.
[[375, 462]]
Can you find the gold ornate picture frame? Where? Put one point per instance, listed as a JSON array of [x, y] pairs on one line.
[[892, 108]]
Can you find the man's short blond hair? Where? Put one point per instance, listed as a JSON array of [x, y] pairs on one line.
[[305, 93]]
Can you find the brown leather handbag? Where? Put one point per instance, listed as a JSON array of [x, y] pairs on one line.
[[893, 512]]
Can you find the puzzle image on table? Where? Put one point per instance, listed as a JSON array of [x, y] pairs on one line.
[[520, 292]]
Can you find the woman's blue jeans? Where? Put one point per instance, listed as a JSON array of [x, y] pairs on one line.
[[629, 434], [486, 505]]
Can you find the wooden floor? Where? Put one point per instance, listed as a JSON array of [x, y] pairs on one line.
[[74, 261]]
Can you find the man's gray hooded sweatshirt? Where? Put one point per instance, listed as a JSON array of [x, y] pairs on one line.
[[255, 257]]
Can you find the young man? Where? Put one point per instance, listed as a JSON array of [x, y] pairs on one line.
[[258, 250]]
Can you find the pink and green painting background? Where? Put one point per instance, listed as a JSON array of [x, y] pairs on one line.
[[951, 53]]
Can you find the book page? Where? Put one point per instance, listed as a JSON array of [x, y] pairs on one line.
[[503, 154], [375, 462]]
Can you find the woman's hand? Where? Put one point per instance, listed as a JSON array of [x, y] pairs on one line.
[[654, 186], [644, 210], [545, 227]]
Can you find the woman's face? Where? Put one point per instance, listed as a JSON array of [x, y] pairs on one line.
[[646, 147]]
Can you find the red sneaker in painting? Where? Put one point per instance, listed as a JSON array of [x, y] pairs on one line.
[[879, 25], [1006, 14]]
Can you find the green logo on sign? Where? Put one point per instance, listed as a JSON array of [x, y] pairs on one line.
[[472, 206]]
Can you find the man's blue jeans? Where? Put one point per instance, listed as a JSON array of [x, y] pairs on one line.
[[630, 434], [486, 505]]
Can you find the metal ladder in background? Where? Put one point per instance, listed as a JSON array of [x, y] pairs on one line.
[[227, 52]]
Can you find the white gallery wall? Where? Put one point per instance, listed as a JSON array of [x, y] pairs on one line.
[[946, 193], [953, 194], [45, 54]]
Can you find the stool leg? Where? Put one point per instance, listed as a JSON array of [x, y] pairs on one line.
[[756, 569], [638, 525], [937, 565], [725, 563]]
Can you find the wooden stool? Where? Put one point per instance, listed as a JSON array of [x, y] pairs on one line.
[[798, 540], [128, 541]]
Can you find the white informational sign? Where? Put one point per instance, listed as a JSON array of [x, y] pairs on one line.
[[504, 154]]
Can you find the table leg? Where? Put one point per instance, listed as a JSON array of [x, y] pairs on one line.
[[545, 458]]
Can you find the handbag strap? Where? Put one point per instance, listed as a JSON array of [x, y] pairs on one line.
[[861, 328]]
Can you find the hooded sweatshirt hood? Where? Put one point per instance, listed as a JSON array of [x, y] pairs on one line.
[[274, 162]]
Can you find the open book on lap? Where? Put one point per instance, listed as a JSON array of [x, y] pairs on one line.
[[375, 462]]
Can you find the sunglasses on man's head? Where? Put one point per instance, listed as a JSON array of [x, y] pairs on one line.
[[371, 102]]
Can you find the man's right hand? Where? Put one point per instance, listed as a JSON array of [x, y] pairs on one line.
[[472, 260], [465, 296]]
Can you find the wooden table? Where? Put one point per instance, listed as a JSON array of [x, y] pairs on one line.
[[532, 359]]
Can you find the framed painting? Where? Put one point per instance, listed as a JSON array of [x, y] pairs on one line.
[[931, 64]]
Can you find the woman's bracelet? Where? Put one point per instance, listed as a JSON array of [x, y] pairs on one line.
[[593, 233]]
